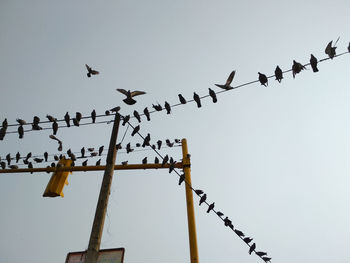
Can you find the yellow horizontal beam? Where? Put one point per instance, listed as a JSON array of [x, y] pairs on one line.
[[91, 168]]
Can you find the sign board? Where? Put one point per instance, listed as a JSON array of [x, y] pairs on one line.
[[113, 255]]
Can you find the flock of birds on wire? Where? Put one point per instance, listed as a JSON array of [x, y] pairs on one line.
[[130, 100]]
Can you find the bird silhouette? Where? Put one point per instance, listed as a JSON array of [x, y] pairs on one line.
[[261, 254], [130, 94], [220, 214], [115, 109], [82, 151], [227, 221], [202, 199], [146, 112], [93, 116], [211, 207], [69, 152], [50, 118], [8, 159], [75, 122], [93, 154], [144, 160], [278, 74], [227, 86], [138, 144], [128, 148], [78, 116], [100, 150], [28, 156], [125, 163], [157, 107], [3, 165], [266, 259], [98, 163], [4, 124], [297, 68], [330, 50], [182, 99], [197, 99], [147, 140], [239, 233], [54, 127], [313, 63], [53, 165], [167, 107], [13, 166], [136, 130], [107, 112], [20, 131], [198, 192], [247, 240], [181, 178], [91, 149], [349, 47], [213, 95], [172, 166], [21, 122], [159, 144], [91, 71], [165, 160], [125, 119], [156, 160], [30, 166], [36, 127], [36, 120], [84, 163], [3, 133], [168, 143], [59, 146], [46, 156], [263, 79], [38, 160], [67, 119], [55, 157], [137, 116], [18, 156], [252, 248]]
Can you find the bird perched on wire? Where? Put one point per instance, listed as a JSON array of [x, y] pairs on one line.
[[156, 160], [147, 140], [181, 178], [75, 122], [46, 156], [98, 163], [239, 233], [130, 94], [100, 150], [21, 122], [211, 207], [266, 259], [247, 240], [146, 112], [136, 130], [278, 74], [82, 151], [125, 119], [330, 50], [198, 192], [67, 119], [38, 160], [252, 248], [144, 160], [8, 159], [93, 116], [137, 116], [54, 127], [50, 118], [157, 107], [313, 63], [159, 144], [197, 99], [263, 79], [203, 198], [213, 95], [182, 99], [20, 131], [91, 71], [18, 156], [167, 107], [84, 163], [128, 148], [227, 86], [297, 68], [168, 143], [165, 160], [261, 253]]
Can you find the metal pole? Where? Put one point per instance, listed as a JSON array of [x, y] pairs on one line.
[[101, 209], [189, 202]]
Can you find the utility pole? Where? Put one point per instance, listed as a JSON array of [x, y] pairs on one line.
[[101, 209]]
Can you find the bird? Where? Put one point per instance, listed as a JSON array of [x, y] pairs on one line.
[[227, 221], [239, 233], [107, 112], [46, 156], [252, 248], [136, 130], [125, 119], [3, 165], [72, 157], [168, 143], [172, 166], [156, 160], [261, 254], [98, 163], [28, 156], [181, 178], [30, 166], [78, 116], [144, 160], [212, 94], [137, 116], [20, 131], [67, 119], [197, 99], [128, 148], [53, 165], [198, 192], [13, 166], [146, 112], [297, 68], [203, 198], [159, 144], [8, 159], [21, 122], [38, 160], [220, 214], [146, 140], [91, 149], [227, 86], [18, 156], [100, 150], [91, 71], [247, 240], [75, 122], [177, 141], [138, 144], [59, 146], [93, 154], [3, 133], [36, 127], [54, 138], [130, 94], [50, 118], [349, 47], [266, 259], [211, 207], [54, 127], [84, 163], [69, 152], [82, 151], [263, 79], [157, 107], [167, 107], [125, 163], [115, 109], [93, 116], [182, 99], [313, 63], [55, 157], [36, 120], [4, 124], [330, 50], [278, 74], [165, 160]]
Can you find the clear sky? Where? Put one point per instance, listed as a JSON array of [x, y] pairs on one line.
[[275, 160]]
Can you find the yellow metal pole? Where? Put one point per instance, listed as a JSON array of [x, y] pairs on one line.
[[189, 202]]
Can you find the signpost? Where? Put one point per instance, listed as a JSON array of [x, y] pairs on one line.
[[114, 255]]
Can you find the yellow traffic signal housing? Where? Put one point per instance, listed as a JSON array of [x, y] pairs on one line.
[[58, 180]]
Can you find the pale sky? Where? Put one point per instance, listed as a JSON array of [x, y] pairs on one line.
[[275, 160]]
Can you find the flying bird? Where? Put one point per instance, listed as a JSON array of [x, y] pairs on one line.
[[144, 160], [146, 112], [125, 119], [157, 107], [252, 248], [197, 99], [20, 131], [330, 50], [100, 150], [297, 68], [21, 122], [137, 116], [211, 207], [278, 74], [227, 86], [136, 130], [181, 178], [67, 119], [93, 116], [213, 95], [167, 107], [313, 63], [203, 198], [147, 140], [130, 94], [263, 79], [54, 127], [91, 71], [182, 99], [50, 118]]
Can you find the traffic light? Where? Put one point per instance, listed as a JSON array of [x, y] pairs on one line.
[[58, 180]]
